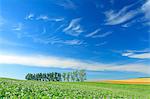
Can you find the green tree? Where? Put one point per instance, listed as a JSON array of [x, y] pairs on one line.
[[76, 75], [64, 76], [68, 76], [72, 77], [82, 75]]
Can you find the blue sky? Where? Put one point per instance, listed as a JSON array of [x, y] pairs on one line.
[[108, 38]]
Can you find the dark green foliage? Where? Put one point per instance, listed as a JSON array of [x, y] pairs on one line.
[[75, 76], [44, 76]]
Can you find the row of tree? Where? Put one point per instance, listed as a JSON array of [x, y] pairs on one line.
[[75, 76]]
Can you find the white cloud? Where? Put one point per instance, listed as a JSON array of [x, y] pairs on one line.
[[18, 27], [73, 42], [47, 18], [146, 9], [42, 17], [67, 42], [57, 19], [100, 44], [60, 62], [30, 16], [74, 28], [67, 4], [59, 27], [142, 54], [102, 35], [96, 34], [93, 33], [54, 40], [114, 18]]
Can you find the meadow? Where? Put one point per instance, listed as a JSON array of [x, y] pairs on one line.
[[26, 89]]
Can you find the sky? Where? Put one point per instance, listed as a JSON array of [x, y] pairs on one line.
[[110, 39]]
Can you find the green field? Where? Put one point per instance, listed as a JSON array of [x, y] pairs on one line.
[[22, 89]]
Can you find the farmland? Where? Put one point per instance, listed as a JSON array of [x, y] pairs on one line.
[[26, 89]]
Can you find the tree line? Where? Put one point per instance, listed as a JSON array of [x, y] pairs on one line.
[[74, 76]]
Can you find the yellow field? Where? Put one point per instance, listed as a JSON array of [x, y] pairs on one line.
[[130, 81]]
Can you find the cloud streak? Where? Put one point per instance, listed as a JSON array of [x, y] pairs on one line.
[[54, 40], [115, 18], [30, 16], [96, 34], [93, 33], [18, 27], [60, 62], [47, 18], [102, 35], [143, 54], [146, 9], [74, 28], [67, 4]]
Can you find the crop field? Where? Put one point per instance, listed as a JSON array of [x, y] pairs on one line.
[[23, 89]]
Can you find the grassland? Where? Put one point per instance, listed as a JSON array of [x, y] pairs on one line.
[[21, 89]]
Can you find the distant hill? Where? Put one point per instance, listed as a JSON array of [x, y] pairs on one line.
[[3, 78]]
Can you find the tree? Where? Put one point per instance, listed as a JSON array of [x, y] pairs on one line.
[[68, 76], [40, 76], [59, 77], [55, 76], [48, 76], [64, 76], [82, 75], [72, 76], [75, 73], [29, 76], [37, 76]]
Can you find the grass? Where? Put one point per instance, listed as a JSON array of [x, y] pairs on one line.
[[21, 89]]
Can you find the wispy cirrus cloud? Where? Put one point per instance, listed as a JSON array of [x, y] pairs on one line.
[[74, 28], [61, 62], [146, 9], [47, 18], [67, 42], [54, 40], [102, 35], [142, 54], [67, 4], [42, 17], [98, 34], [73, 42], [115, 18], [93, 33], [101, 44], [18, 27], [30, 16]]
